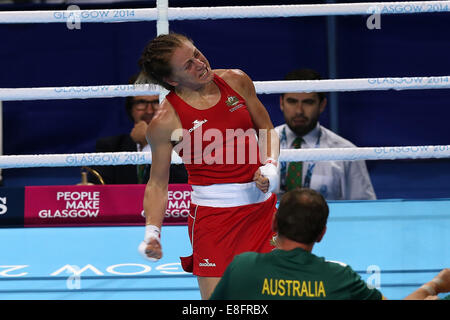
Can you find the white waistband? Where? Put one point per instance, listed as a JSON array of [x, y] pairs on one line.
[[228, 195]]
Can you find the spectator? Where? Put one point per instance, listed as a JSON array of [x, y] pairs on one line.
[[292, 271], [140, 110], [335, 180]]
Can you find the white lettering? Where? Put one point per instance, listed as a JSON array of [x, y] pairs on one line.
[[3, 207], [77, 196], [73, 21], [374, 280], [199, 310], [171, 268], [145, 268], [74, 280], [5, 273], [178, 195], [90, 204], [43, 214], [175, 213], [76, 270]]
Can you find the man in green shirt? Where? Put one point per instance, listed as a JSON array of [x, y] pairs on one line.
[[292, 271]]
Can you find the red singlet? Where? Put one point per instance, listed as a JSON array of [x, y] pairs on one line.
[[220, 143]]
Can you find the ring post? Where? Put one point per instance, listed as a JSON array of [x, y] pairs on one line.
[[162, 27]]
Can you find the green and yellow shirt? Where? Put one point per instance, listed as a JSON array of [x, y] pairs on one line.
[[295, 274]]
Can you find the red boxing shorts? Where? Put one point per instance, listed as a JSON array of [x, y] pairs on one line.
[[218, 234]]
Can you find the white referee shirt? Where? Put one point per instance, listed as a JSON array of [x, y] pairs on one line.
[[335, 180]]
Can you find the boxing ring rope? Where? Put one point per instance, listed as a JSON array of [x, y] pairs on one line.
[[262, 87], [322, 154], [224, 12], [162, 14]]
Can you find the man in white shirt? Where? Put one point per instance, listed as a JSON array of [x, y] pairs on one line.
[[335, 180]]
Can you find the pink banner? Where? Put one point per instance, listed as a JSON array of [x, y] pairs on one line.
[[105, 205]]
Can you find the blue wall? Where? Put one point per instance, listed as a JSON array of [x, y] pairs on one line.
[[39, 55]]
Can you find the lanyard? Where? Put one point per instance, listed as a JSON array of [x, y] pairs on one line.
[[311, 165]]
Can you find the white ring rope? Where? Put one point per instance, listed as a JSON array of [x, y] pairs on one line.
[[321, 154], [77, 92], [130, 15], [262, 87], [194, 13]]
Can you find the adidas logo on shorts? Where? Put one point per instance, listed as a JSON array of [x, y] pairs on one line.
[[206, 264]]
